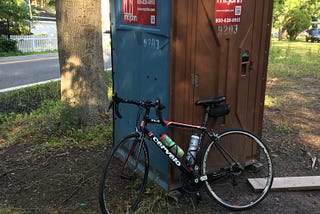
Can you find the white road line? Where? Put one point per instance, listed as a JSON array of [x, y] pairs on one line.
[[32, 84], [27, 85]]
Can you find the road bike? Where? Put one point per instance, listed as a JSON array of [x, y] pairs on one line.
[[214, 160]]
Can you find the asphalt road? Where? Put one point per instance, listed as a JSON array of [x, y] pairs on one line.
[[21, 71]]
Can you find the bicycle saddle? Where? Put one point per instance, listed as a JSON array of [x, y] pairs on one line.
[[212, 101]]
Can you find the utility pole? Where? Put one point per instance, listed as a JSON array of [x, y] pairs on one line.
[[30, 15]]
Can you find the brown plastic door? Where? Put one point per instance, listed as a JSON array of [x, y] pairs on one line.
[[209, 59], [223, 62]]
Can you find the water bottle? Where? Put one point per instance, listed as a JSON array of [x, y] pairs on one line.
[[174, 148], [192, 150]]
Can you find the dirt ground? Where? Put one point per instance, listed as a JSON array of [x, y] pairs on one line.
[[65, 181]]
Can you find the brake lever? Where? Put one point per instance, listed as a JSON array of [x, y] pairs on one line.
[[116, 109], [110, 105], [114, 105], [159, 108]]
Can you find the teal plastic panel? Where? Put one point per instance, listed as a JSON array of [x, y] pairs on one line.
[[140, 53]]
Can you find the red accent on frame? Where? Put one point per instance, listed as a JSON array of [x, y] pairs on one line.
[[149, 134], [167, 122], [142, 124], [129, 155]]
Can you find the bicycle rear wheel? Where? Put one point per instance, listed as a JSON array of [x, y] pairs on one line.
[[236, 157], [124, 176]]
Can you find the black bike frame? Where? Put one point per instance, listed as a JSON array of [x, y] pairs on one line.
[[172, 157], [146, 120]]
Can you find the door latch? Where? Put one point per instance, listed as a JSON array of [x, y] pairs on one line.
[[195, 80]]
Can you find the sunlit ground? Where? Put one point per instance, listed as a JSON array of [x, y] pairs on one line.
[[293, 90]]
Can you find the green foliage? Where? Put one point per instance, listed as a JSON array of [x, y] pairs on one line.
[[17, 14], [7, 45], [108, 75], [69, 116], [34, 114], [277, 12], [43, 2], [43, 127], [295, 21], [284, 8], [27, 99]]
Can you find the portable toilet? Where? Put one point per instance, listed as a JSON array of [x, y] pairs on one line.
[[184, 50]]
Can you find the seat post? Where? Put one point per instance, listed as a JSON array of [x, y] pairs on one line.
[[206, 116]]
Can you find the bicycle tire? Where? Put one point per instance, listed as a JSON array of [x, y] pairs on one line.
[[124, 176], [227, 180]]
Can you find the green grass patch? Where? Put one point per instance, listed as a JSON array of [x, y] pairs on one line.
[[291, 62], [294, 59], [33, 116], [43, 129], [292, 93], [27, 99]]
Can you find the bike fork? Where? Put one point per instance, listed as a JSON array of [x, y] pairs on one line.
[[128, 158]]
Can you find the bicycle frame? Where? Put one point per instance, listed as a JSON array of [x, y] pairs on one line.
[[144, 132], [172, 157]]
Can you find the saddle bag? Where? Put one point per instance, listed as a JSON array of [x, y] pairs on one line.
[[219, 110]]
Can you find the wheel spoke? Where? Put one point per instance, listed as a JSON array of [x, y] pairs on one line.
[[124, 177], [236, 157]]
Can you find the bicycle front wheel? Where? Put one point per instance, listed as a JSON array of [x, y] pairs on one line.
[[124, 176], [231, 162]]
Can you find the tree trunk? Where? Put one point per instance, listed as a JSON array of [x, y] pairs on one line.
[[83, 85]]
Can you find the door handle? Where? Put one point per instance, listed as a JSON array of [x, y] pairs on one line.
[[195, 80]]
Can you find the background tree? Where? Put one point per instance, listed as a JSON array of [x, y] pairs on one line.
[[286, 8], [48, 5], [278, 6], [16, 12], [83, 86], [314, 10], [295, 21], [313, 7], [40, 3]]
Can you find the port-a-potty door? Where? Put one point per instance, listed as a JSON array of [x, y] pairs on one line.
[[219, 47], [140, 31]]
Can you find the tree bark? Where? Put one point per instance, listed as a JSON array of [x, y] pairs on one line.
[[83, 85]]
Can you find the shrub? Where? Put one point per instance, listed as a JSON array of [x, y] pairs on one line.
[[295, 21], [8, 45]]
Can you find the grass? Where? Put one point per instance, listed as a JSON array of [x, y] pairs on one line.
[[44, 129], [27, 99], [293, 87], [290, 61], [294, 60], [33, 114]]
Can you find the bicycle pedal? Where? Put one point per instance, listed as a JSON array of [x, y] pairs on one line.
[[256, 167]]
